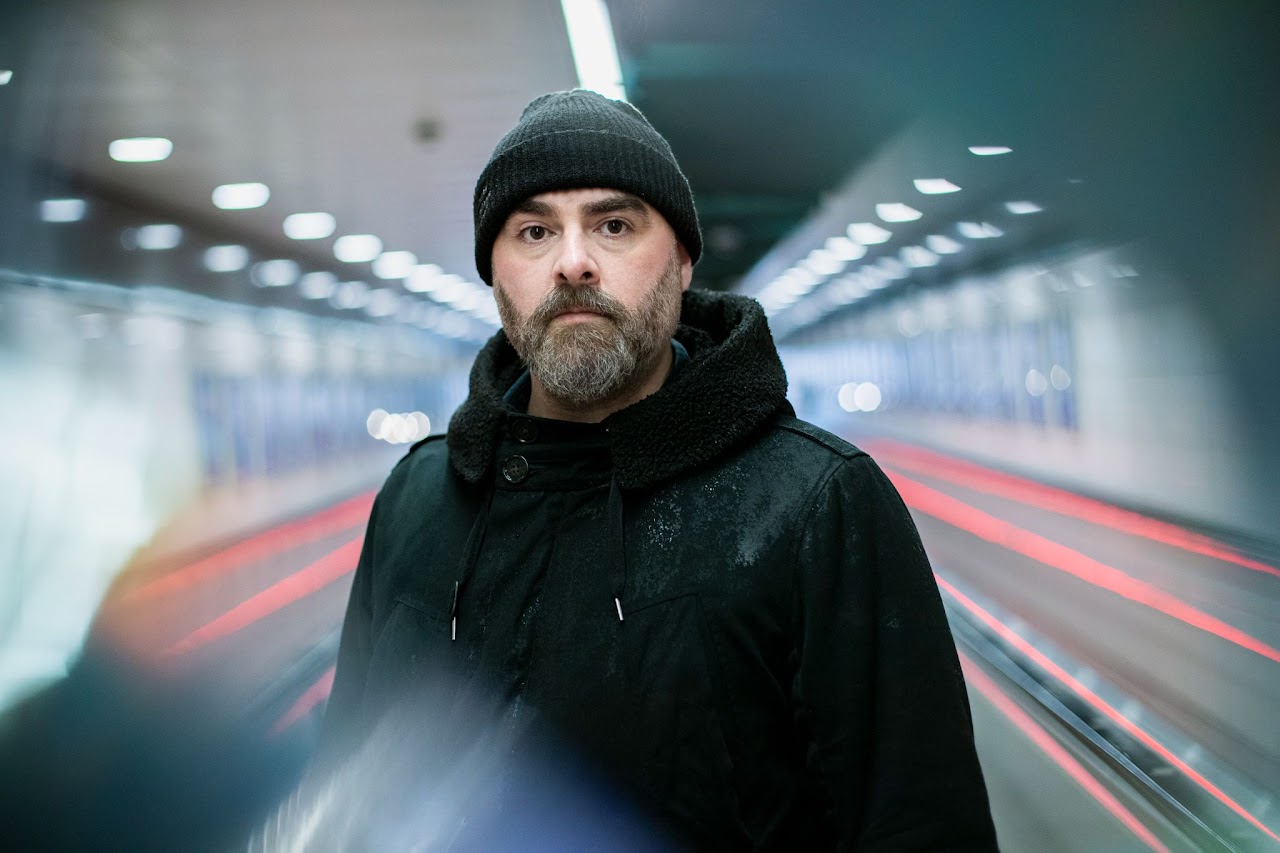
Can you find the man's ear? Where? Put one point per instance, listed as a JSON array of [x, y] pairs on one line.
[[686, 265]]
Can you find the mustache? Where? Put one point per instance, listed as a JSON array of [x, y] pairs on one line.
[[566, 298]]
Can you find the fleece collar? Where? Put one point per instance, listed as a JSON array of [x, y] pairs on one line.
[[733, 383]]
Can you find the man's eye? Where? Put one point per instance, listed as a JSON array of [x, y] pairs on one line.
[[534, 232], [615, 227]]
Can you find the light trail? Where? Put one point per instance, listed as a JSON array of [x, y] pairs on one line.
[[310, 698], [1041, 660], [347, 514], [1056, 753], [300, 584], [1049, 553], [999, 484]]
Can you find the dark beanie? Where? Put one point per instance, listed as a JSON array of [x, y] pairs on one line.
[[577, 140]]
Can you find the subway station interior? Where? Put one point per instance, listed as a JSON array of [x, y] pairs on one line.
[[1026, 255]]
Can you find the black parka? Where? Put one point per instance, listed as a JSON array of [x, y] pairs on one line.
[[725, 606]]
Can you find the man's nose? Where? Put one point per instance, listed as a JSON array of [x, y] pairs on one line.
[[575, 263]]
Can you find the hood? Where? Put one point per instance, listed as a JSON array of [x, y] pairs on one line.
[[733, 383]]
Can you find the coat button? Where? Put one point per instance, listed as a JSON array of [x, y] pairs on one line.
[[524, 431], [515, 469]]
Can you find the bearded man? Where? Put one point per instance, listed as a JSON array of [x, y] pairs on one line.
[[627, 530]]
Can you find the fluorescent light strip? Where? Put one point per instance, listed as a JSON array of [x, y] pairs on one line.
[[140, 149], [240, 196], [62, 209], [868, 233], [1022, 208], [942, 245], [158, 238], [226, 258], [896, 211], [398, 264], [989, 150], [935, 186], [978, 230], [280, 272], [309, 226], [845, 249], [357, 248], [595, 54], [317, 285]]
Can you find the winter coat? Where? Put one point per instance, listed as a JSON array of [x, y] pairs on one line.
[[725, 606]]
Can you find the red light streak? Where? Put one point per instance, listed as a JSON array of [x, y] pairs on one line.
[[1060, 501], [1041, 738], [1017, 641], [1049, 553], [311, 697], [350, 513], [300, 584]]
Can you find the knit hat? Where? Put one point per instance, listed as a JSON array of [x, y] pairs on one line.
[[575, 140]]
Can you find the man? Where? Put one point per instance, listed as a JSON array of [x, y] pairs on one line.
[[627, 530]]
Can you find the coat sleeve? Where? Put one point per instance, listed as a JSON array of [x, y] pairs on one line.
[[342, 727], [878, 690]]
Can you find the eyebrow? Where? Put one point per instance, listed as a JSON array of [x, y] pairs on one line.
[[616, 204], [609, 204], [533, 207]]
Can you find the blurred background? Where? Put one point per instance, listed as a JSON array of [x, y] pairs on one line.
[[1027, 255]]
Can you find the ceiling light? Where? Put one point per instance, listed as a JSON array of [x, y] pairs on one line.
[[893, 268], [1021, 208], [394, 264], [783, 300], [357, 248], [935, 186], [309, 226], [317, 285], [350, 294], [848, 289], [469, 301], [158, 237], [798, 280], [874, 278], [845, 249], [62, 209], [824, 263], [451, 288], [225, 258], [5, 77], [868, 233], [140, 149], [978, 230], [382, 303], [595, 55], [989, 150], [422, 278], [281, 272], [240, 196], [942, 245], [896, 211], [918, 256]]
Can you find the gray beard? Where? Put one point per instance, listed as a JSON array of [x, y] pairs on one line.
[[588, 363]]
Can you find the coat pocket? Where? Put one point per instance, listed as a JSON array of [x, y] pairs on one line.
[[410, 656], [655, 715]]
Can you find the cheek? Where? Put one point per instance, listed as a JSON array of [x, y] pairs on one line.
[[514, 305]]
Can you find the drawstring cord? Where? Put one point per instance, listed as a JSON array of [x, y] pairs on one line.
[[619, 537], [475, 541]]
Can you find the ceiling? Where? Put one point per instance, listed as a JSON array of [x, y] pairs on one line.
[[383, 112]]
